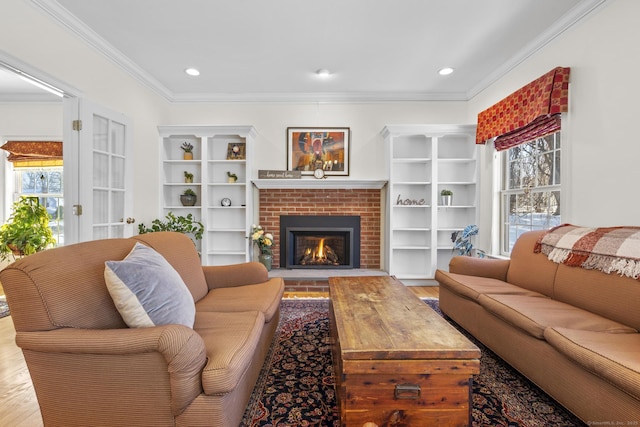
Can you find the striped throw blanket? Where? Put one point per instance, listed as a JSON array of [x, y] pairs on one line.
[[608, 249]]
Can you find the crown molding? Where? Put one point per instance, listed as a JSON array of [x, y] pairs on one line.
[[333, 97]]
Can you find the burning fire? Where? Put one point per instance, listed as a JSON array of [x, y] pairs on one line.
[[320, 255]]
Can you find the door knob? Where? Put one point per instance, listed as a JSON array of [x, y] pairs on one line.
[[131, 220]]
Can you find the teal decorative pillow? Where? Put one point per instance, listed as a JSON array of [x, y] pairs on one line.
[[148, 291]]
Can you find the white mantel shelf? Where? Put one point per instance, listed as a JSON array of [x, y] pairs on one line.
[[312, 183]]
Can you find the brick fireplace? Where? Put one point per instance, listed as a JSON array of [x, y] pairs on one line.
[[363, 202]]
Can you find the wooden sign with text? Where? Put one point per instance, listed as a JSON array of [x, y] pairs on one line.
[[410, 202], [270, 174]]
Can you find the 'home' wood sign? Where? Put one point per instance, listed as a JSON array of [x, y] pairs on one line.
[[408, 202]]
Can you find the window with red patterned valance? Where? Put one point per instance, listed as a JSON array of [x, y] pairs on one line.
[[531, 112]]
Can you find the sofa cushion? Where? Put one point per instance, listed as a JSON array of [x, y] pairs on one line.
[[534, 314], [264, 297], [612, 357], [610, 295], [531, 270], [473, 286], [148, 291], [230, 340]]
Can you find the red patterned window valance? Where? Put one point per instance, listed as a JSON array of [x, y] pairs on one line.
[[34, 153], [529, 113]]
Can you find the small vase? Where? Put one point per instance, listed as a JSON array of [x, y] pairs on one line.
[[446, 200], [266, 260], [187, 200], [188, 180], [188, 156]]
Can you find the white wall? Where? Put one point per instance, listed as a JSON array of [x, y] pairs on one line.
[[600, 140]]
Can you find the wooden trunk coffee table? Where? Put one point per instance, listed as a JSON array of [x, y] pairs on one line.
[[397, 362]]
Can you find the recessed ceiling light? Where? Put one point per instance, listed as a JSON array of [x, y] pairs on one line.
[[323, 73], [445, 71], [192, 72]]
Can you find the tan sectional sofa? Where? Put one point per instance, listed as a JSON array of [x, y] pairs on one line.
[[572, 331], [89, 369]]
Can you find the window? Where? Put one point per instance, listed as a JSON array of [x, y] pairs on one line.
[[530, 196], [46, 183]]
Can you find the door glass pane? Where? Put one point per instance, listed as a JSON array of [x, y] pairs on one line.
[[100, 133], [117, 230], [100, 206], [117, 206], [101, 232], [117, 138], [100, 170], [117, 174]]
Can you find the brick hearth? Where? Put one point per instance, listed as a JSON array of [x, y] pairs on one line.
[[303, 201]]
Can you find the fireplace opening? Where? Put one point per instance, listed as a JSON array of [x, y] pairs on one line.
[[320, 241]]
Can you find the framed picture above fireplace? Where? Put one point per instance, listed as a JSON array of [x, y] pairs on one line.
[[314, 148]]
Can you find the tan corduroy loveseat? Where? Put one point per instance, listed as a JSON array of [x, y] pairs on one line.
[[90, 369], [572, 331]]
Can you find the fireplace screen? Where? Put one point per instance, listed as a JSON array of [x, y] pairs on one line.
[[320, 241], [310, 248]]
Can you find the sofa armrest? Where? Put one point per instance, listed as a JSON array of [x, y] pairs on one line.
[[481, 267], [171, 353], [226, 276]]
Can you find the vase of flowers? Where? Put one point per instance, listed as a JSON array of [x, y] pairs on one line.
[[264, 242]]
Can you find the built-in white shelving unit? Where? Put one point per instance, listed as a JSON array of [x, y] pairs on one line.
[[226, 227], [422, 161]]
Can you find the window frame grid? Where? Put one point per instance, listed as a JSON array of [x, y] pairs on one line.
[[507, 235]]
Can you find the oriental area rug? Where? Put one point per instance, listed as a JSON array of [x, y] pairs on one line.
[[296, 385]]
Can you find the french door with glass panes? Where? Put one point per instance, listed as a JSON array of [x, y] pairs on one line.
[[99, 150]]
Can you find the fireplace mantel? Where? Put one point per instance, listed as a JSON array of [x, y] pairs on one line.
[[327, 183]]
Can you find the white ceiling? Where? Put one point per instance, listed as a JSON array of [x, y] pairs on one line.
[[269, 50]]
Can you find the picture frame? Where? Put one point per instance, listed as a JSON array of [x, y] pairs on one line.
[[236, 151], [311, 148]]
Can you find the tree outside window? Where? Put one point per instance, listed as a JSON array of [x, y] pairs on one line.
[[530, 197]]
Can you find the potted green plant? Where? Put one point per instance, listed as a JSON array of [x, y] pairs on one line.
[[231, 177], [188, 177], [181, 224], [27, 230], [188, 150], [188, 198], [446, 197]]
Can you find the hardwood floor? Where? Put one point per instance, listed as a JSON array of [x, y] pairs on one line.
[[17, 397], [18, 403]]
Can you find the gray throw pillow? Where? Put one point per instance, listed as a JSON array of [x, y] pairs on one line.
[[148, 291]]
